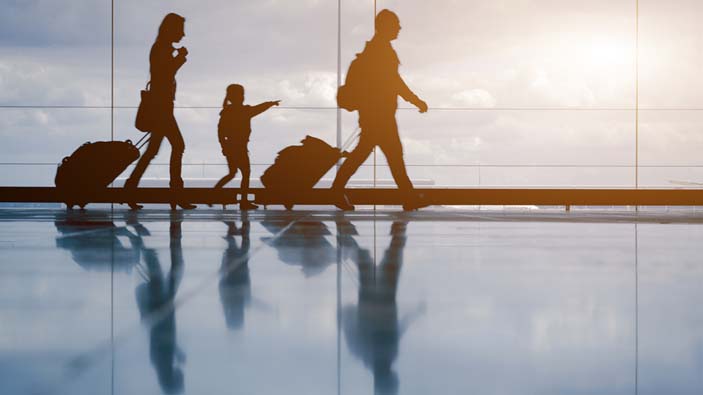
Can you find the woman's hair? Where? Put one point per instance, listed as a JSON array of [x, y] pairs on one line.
[[170, 22], [231, 90]]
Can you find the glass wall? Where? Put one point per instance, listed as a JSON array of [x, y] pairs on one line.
[[54, 85], [521, 93]]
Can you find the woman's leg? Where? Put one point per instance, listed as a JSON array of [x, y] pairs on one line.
[[173, 134], [152, 149]]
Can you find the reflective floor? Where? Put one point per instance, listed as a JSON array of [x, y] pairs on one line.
[[275, 302]]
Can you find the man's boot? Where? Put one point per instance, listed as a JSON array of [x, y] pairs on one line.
[[341, 201], [416, 201]]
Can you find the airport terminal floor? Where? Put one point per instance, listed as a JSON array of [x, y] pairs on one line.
[[438, 301]]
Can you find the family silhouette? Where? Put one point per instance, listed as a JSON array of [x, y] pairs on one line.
[[372, 87]]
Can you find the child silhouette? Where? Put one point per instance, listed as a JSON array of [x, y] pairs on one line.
[[233, 131]]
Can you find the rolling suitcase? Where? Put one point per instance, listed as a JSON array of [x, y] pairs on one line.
[[92, 167], [300, 167]]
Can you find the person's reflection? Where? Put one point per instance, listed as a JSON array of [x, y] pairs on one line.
[[235, 285], [372, 328], [155, 299]]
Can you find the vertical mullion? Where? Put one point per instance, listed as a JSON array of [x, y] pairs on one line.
[[373, 23], [637, 92], [112, 70], [112, 205], [339, 73], [339, 252]]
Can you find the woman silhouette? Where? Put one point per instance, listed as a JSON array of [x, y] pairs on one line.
[[163, 66]]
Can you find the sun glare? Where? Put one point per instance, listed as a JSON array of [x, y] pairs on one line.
[[610, 53]]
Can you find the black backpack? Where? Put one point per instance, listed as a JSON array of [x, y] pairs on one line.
[[351, 94]]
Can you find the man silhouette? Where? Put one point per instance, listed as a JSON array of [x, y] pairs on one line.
[[380, 85]]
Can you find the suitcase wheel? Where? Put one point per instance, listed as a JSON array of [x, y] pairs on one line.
[[65, 159], [288, 206], [129, 142]]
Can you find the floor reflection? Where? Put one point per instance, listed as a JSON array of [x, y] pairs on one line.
[[541, 307], [235, 284], [372, 327], [302, 243], [155, 298], [95, 245]]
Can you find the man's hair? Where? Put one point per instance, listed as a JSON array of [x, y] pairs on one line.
[[384, 17]]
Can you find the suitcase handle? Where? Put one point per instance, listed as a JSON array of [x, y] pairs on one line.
[[350, 139], [142, 141]]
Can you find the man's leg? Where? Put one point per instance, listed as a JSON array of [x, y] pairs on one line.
[[351, 164], [355, 159], [393, 149]]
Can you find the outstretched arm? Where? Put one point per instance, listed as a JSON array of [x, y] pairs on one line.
[[409, 96], [259, 108]]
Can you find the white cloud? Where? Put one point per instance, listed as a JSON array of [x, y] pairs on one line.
[[474, 98]]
